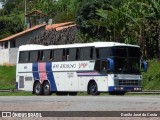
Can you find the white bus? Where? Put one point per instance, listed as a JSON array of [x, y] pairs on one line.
[[90, 67]]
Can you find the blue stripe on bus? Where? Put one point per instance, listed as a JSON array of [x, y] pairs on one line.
[[16, 85], [35, 71], [50, 76]]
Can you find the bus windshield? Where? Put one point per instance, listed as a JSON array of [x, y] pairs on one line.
[[126, 59], [123, 51], [126, 65]]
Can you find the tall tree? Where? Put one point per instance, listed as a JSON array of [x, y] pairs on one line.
[[86, 14]]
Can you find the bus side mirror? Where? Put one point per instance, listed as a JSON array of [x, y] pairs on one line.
[[144, 66], [110, 64]]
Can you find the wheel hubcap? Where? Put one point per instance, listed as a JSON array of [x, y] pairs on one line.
[[38, 87], [46, 88], [93, 88]]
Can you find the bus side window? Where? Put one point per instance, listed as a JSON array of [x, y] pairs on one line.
[[23, 56], [33, 56], [58, 54], [72, 54], [86, 53], [47, 55]]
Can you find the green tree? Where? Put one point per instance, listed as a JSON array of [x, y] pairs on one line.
[[86, 14], [10, 25]]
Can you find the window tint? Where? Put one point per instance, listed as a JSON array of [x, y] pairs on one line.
[[97, 66], [72, 54], [47, 55], [58, 54], [34, 56], [133, 52], [119, 51], [102, 53], [86, 53], [23, 57], [104, 67]]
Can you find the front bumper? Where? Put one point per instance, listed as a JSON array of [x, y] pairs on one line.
[[124, 89]]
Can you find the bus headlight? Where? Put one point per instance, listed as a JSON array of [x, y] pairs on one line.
[[137, 89], [116, 88], [121, 88]]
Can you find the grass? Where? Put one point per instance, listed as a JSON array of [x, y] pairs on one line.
[[151, 79], [19, 93], [7, 77]]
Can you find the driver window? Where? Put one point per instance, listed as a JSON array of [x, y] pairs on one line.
[[104, 67]]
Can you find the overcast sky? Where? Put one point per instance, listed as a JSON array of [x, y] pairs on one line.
[[0, 5]]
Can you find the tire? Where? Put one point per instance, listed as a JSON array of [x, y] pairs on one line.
[[72, 93], [38, 90], [93, 88], [46, 89]]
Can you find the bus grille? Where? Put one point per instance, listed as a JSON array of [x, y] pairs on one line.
[[128, 82]]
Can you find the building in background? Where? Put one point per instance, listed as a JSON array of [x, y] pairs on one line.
[[9, 45], [35, 17]]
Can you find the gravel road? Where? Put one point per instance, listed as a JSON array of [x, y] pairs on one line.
[[80, 103]]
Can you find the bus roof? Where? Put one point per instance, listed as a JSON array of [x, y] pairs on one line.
[[94, 44]]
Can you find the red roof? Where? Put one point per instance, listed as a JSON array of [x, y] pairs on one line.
[[21, 33], [63, 27], [59, 26], [55, 26]]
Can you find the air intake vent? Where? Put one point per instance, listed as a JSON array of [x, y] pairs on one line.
[[28, 78], [21, 81]]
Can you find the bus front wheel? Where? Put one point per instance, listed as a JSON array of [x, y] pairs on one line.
[[38, 88], [46, 89], [93, 88]]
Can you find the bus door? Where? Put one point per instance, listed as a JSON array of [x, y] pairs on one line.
[[103, 80]]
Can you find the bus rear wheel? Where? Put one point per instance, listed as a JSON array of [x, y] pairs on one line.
[[38, 88], [93, 88], [47, 89]]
